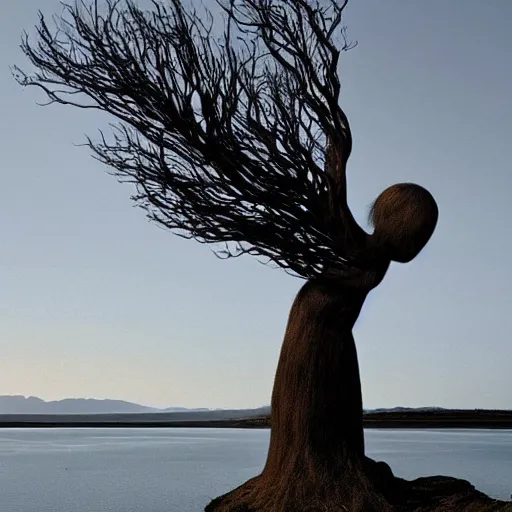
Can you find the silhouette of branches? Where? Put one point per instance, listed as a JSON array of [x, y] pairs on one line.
[[235, 139]]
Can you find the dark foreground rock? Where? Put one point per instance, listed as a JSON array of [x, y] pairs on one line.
[[442, 494], [427, 494]]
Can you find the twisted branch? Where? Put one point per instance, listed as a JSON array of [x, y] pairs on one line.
[[225, 139]]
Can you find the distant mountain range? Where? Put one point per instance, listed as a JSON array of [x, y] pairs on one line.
[[33, 405], [405, 409], [18, 404]]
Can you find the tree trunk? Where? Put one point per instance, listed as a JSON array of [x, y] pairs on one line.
[[316, 460], [316, 457]]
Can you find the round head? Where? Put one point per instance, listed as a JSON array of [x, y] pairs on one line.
[[404, 217]]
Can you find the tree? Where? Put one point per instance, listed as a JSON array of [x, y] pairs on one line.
[[240, 140]]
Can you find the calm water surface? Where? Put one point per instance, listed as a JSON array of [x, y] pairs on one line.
[[180, 470]]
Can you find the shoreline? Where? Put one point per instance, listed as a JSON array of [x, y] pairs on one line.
[[381, 420]]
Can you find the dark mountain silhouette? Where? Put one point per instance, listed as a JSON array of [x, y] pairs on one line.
[[405, 409], [34, 405], [17, 404], [186, 409]]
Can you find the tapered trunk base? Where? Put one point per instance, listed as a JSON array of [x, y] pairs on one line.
[[316, 460], [377, 490], [258, 495]]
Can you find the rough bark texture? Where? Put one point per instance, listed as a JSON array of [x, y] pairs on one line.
[[316, 454], [316, 458]]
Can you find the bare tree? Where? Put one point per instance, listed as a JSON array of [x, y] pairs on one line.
[[240, 140], [223, 137]]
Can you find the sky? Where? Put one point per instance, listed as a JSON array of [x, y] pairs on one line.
[[96, 301]]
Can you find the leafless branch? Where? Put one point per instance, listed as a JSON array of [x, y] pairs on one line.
[[225, 139]]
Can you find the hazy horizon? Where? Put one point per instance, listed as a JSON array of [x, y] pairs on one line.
[[96, 301], [179, 406]]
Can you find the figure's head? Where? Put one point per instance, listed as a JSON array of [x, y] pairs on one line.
[[404, 217]]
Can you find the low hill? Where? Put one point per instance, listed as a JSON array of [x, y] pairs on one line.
[[17, 404]]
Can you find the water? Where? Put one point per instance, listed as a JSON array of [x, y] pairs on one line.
[[180, 470]]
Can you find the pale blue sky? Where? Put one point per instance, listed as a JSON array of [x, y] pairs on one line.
[[97, 302]]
